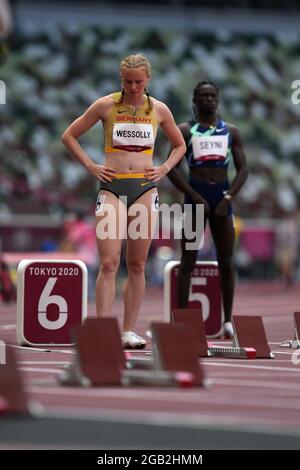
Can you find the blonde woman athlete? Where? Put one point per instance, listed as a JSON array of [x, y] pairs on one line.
[[128, 182]]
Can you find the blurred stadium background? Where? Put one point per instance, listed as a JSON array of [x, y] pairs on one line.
[[60, 56]]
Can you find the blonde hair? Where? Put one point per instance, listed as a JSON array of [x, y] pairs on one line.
[[135, 61]]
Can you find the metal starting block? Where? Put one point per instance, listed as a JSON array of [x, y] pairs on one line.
[[134, 361], [193, 317], [249, 331], [294, 343], [100, 360], [157, 378], [73, 376], [231, 352]]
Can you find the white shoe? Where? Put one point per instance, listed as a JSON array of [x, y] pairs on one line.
[[228, 330], [149, 334], [131, 340]]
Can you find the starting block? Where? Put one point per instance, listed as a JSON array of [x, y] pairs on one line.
[[294, 343], [51, 299], [100, 360], [193, 317], [13, 398], [99, 354], [176, 349], [249, 331]]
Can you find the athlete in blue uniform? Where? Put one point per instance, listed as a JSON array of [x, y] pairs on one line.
[[211, 143]]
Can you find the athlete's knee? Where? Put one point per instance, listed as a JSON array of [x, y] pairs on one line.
[[109, 265], [225, 263], [136, 266]]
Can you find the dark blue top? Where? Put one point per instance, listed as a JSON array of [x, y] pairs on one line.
[[212, 150]]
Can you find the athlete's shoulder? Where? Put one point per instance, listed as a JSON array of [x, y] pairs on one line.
[[235, 133], [231, 127], [162, 111], [185, 128], [103, 105], [159, 105], [107, 100]]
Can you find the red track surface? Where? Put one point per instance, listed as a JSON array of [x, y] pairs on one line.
[[262, 393]]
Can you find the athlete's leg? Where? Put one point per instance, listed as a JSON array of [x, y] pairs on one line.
[[222, 229], [137, 252], [187, 264], [111, 219]]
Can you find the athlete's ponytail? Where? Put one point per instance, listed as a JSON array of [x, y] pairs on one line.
[[120, 100], [149, 101]]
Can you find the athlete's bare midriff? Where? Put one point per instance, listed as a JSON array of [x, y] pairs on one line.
[[128, 162]]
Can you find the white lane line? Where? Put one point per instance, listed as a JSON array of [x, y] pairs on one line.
[[290, 352], [259, 384], [248, 366], [264, 374], [258, 392], [42, 381], [265, 403], [36, 369], [33, 349], [8, 327], [42, 363], [245, 361]]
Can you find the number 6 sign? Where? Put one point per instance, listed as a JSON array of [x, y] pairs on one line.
[[205, 294], [51, 299]]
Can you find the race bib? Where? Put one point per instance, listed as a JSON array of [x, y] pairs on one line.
[[209, 148], [155, 202], [133, 137], [99, 204]]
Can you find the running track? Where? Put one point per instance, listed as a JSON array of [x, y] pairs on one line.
[[251, 404]]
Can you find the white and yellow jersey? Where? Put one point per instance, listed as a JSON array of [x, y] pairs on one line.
[[128, 130]]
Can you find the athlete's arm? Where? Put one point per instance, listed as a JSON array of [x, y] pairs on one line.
[[172, 132], [240, 163], [80, 126]]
